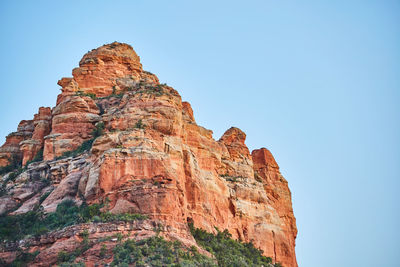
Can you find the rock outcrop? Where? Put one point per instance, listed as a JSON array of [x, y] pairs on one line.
[[42, 127], [150, 158], [100, 69], [10, 150]]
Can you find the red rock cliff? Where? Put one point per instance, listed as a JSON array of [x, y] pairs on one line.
[[152, 158]]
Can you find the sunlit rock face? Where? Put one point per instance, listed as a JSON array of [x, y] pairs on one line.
[[151, 158], [100, 68]]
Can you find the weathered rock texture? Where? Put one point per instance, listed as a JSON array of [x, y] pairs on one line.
[[152, 158], [11, 148], [42, 127]]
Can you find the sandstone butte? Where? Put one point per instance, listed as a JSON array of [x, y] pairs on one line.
[[151, 159]]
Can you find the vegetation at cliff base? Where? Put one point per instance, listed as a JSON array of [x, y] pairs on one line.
[[67, 213], [230, 252], [156, 251], [23, 258], [67, 258]]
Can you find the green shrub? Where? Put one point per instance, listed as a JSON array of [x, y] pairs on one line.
[[67, 213], [101, 108], [15, 227], [103, 251], [13, 175], [156, 251], [98, 130], [67, 258], [228, 251], [139, 124], [44, 196], [229, 178], [124, 217], [22, 258], [86, 146], [91, 95], [96, 219], [63, 256], [72, 264], [114, 93]]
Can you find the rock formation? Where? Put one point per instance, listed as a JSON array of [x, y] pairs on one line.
[[151, 158], [11, 148]]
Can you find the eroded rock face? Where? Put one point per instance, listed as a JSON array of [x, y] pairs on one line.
[[42, 127], [152, 158], [280, 198], [11, 148], [28, 140], [68, 239], [73, 120], [100, 68]]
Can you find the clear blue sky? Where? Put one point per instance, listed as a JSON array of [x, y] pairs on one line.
[[316, 82]]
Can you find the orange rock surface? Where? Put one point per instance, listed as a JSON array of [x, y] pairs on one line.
[[100, 69], [152, 158], [11, 148], [42, 124]]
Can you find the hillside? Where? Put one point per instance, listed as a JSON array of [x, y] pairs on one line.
[[119, 171]]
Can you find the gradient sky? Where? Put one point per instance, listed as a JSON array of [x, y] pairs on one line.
[[316, 82]]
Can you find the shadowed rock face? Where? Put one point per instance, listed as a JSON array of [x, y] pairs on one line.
[[152, 158], [42, 127]]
